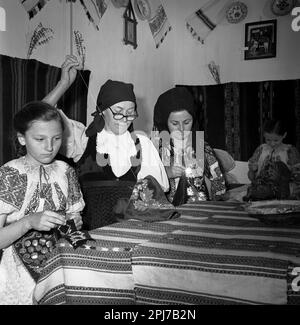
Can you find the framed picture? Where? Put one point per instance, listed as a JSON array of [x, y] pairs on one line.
[[130, 33], [130, 23], [260, 40]]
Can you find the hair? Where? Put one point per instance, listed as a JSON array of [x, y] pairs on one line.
[[173, 100], [30, 112], [274, 126]]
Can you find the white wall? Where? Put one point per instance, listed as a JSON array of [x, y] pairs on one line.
[[179, 60]]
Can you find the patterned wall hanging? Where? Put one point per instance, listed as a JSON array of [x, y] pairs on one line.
[[40, 36], [157, 18], [232, 120], [79, 43], [94, 10], [33, 6], [202, 22]]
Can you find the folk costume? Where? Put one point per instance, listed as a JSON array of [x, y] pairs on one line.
[[203, 179], [129, 156], [27, 189]]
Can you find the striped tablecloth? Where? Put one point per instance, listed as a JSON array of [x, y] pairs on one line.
[[213, 254]]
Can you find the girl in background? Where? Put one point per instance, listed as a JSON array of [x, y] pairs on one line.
[[274, 167]]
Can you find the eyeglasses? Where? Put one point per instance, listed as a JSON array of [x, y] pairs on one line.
[[118, 116]]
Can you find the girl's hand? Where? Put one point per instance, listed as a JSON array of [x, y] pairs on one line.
[[77, 219], [175, 171], [45, 220], [69, 70]]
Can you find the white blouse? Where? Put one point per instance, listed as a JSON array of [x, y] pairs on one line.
[[119, 147]]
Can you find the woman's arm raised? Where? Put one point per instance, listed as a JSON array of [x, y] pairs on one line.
[[68, 75]]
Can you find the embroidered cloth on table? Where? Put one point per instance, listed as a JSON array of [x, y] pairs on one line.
[[148, 202], [35, 247]]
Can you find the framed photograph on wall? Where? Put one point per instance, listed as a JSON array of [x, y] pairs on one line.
[[260, 40]]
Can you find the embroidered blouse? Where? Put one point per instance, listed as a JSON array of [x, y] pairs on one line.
[[26, 189], [197, 166]]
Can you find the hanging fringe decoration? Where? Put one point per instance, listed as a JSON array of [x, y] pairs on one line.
[[33, 6], [215, 71], [81, 50], [158, 21], [202, 22], [94, 9], [41, 35]]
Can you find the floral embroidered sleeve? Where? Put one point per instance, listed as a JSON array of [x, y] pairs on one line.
[[213, 172], [75, 201], [12, 189]]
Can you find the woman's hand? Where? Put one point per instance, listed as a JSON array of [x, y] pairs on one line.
[[69, 70], [68, 75], [77, 219], [45, 220], [175, 171]]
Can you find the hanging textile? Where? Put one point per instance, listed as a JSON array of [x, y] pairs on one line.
[[24, 80], [158, 21], [204, 20], [33, 6], [232, 120], [94, 9]]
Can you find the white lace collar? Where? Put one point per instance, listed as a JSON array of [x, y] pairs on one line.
[[120, 149]]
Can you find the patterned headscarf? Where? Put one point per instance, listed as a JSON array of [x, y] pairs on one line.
[[173, 100], [110, 93]]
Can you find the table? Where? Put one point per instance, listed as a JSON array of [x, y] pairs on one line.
[[215, 253]]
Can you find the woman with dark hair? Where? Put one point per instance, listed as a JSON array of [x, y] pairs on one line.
[[37, 194], [191, 164], [109, 143]]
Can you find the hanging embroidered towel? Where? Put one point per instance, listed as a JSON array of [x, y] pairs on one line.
[[204, 20], [33, 6], [94, 9], [158, 21]]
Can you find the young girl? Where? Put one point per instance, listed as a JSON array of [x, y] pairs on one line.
[[37, 194], [263, 171]]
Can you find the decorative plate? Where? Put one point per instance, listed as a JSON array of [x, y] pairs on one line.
[[275, 212], [282, 7], [236, 12], [120, 3], [142, 9]]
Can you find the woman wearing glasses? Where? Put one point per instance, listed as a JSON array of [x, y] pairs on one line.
[[109, 144]]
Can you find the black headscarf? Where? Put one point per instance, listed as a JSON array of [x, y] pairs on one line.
[[110, 93], [173, 100]]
